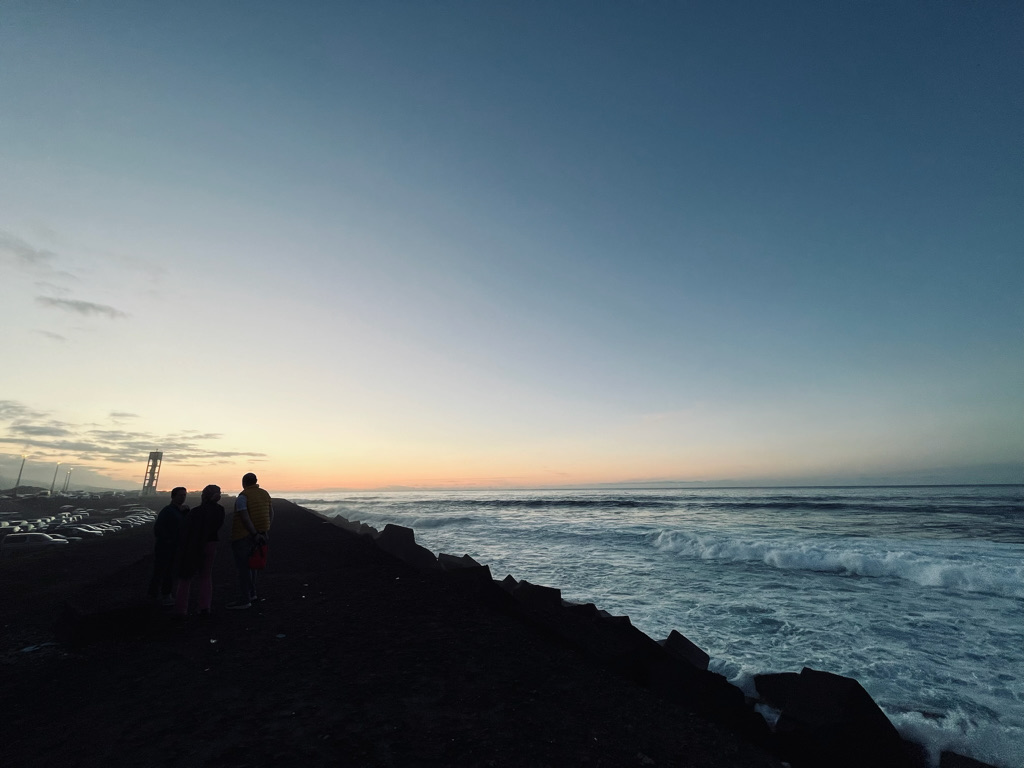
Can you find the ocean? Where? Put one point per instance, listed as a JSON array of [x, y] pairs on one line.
[[917, 592]]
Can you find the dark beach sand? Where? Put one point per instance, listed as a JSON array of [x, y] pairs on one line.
[[353, 658]]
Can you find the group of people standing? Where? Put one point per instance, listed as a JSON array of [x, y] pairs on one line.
[[186, 545]]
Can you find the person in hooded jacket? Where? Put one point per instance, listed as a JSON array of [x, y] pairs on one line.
[[198, 550], [167, 535]]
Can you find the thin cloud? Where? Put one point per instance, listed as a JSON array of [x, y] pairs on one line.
[[86, 308], [47, 267], [23, 252], [31, 429], [51, 335], [55, 429], [43, 285], [10, 410]]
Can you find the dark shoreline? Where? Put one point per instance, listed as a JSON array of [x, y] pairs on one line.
[[356, 657]]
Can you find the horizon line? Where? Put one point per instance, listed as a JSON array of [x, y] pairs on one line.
[[634, 487]]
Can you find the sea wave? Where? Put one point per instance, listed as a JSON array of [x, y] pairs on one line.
[[570, 502], [934, 568], [441, 521], [416, 522], [889, 507], [997, 744]]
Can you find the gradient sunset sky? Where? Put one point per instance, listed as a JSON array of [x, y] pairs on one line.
[[512, 243]]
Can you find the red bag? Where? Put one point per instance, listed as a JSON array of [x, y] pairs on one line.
[[258, 557]]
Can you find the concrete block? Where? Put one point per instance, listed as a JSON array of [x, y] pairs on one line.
[[451, 562], [399, 541], [682, 648], [538, 596]]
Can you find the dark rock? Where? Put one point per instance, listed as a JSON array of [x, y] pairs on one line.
[[398, 535], [494, 596], [451, 562], [354, 526], [399, 541], [830, 720], [538, 596], [953, 760], [508, 584], [622, 621], [585, 610], [682, 648], [345, 524], [778, 690], [474, 579], [614, 642], [917, 755]]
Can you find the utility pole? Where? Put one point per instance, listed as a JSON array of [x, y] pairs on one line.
[[67, 480], [18, 481], [54, 478]]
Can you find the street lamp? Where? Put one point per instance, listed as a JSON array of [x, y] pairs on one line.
[[18, 481], [55, 469], [67, 480]]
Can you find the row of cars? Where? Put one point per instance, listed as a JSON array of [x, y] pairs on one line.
[[66, 526]]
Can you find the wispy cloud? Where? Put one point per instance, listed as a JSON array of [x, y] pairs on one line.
[[30, 429], [26, 254], [51, 335], [11, 410], [49, 287], [87, 308], [53, 429]]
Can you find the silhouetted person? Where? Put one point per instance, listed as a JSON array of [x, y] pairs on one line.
[[198, 549], [167, 530], [254, 514]]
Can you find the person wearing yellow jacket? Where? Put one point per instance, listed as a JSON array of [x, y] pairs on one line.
[[254, 514]]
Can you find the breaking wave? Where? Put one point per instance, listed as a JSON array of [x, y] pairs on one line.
[[993, 575]]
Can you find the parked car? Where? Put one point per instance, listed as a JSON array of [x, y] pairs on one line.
[[87, 532], [29, 542]]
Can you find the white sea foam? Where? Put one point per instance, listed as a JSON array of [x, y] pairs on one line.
[[994, 744], [995, 571]]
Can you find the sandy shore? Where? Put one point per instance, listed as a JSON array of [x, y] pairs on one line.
[[352, 658]]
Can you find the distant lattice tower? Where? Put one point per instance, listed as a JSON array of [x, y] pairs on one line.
[[152, 473]]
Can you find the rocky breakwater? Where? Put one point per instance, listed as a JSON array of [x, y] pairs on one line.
[[824, 720]]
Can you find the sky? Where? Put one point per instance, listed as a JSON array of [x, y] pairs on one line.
[[512, 244]]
